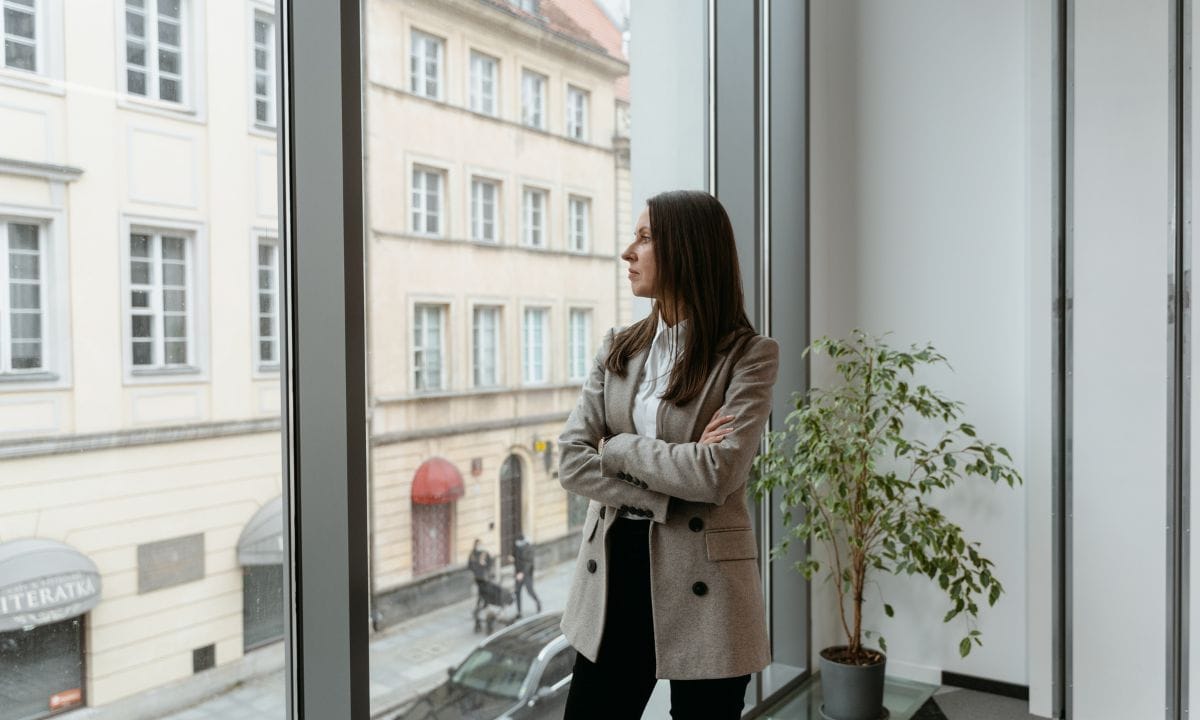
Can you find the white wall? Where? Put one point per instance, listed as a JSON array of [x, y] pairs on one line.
[[920, 127]]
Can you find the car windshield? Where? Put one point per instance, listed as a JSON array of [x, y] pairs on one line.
[[493, 672]]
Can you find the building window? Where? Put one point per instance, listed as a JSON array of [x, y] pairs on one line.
[[534, 342], [533, 99], [23, 317], [425, 65], [427, 201], [428, 324], [485, 336], [160, 308], [577, 111], [484, 71], [154, 56], [267, 312], [578, 353], [534, 216], [484, 194], [43, 668], [579, 216], [20, 35], [264, 70]]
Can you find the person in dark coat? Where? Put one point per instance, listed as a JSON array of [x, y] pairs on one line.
[[523, 566], [479, 563]]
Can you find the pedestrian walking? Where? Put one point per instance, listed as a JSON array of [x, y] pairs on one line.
[[479, 562], [523, 566]]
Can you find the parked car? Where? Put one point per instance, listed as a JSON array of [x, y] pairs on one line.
[[522, 672]]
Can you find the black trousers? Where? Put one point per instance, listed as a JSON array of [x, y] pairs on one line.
[[618, 685], [526, 583]]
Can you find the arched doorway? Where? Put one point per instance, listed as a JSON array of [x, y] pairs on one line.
[[510, 505], [436, 485]]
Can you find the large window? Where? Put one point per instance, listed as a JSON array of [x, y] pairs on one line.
[[577, 113], [425, 65], [579, 210], [534, 202], [23, 278], [484, 206], [267, 308], [484, 74], [21, 34], [264, 69], [533, 99], [534, 345], [155, 49], [161, 327], [427, 201], [485, 336], [428, 347], [578, 344]]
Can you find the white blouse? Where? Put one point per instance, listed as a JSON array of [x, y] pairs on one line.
[[668, 341]]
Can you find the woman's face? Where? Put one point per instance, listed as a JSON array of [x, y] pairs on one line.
[[640, 256]]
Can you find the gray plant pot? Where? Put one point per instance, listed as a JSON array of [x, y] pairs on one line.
[[852, 692]]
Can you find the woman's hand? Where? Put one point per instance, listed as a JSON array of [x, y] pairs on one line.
[[713, 432]]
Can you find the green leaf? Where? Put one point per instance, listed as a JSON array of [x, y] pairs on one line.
[[882, 644], [887, 609], [964, 647]]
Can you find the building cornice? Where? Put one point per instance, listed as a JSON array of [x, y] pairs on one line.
[[84, 442]]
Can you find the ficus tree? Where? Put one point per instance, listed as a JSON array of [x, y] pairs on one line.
[[859, 482]]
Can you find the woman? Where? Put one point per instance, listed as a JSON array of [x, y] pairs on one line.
[[666, 584]]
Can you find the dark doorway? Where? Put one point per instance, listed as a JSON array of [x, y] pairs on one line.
[[510, 505]]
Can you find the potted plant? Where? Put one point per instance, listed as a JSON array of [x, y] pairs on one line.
[[859, 482]]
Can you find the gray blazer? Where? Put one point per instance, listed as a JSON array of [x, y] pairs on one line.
[[708, 612]]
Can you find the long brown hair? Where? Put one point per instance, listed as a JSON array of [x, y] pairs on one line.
[[696, 261]]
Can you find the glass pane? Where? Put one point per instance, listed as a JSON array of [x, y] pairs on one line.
[[260, 59], [19, 23], [172, 247], [27, 355], [168, 62], [25, 266], [135, 54], [140, 298], [168, 90], [175, 326], [260, 32], [143, 326], [135, 82], [139, 272], [139, 245], [174, 300], [168, 8], [26, 326], [168, 33], [24, 296], [173, 274], [176, 353], [22, 56], [143, 353], [135, 24]]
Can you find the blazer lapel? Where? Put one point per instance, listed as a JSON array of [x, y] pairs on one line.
[[674, 424]]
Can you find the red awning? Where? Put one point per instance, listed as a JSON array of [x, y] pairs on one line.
[[437, 481]]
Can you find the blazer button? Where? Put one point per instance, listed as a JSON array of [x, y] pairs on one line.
[[591, 566], [696, 524], [699, 588], [602, 512]]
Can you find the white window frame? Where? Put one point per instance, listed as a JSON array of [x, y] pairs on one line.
[[528, 352], [579, 340], [45, 283], [48, 31], [577, 117], [38, 41], [527, 214], [188, 40], [528, 78], [579, 240], [498, 359], [419, 40], [415, 347], [260, 14], [418, 205], [196, 370], [260, 239], [475, 94], [474, 192]]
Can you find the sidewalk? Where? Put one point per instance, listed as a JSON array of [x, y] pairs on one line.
[[406, 660]]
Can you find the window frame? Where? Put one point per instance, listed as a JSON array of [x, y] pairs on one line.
[[497, 208], [547, 376], [443, 217], [584, 126], [585, 354], [443, 312], [527, 190], [259, 11], [261, 369], [497, 307], [544, 100], [440, 76], [190, 76], [197, 369], [45, 282], [585, 245], [473, 95]]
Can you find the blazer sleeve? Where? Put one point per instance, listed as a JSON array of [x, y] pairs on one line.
[[579, 464], [706, 472]]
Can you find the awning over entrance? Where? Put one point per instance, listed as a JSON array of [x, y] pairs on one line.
[[436, 482], [261, 541], [44, 581]]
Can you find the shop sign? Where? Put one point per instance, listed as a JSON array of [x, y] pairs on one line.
[[48, 599]]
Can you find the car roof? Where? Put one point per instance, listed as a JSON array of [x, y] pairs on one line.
[[527, 638]]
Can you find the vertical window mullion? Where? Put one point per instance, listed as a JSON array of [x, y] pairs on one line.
[[159, 344], [6, 347]]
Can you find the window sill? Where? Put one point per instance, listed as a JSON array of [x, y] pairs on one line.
[[270, 372], [13, 378], [25, 80], [165, 372], [266, 131], [175, 111]]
